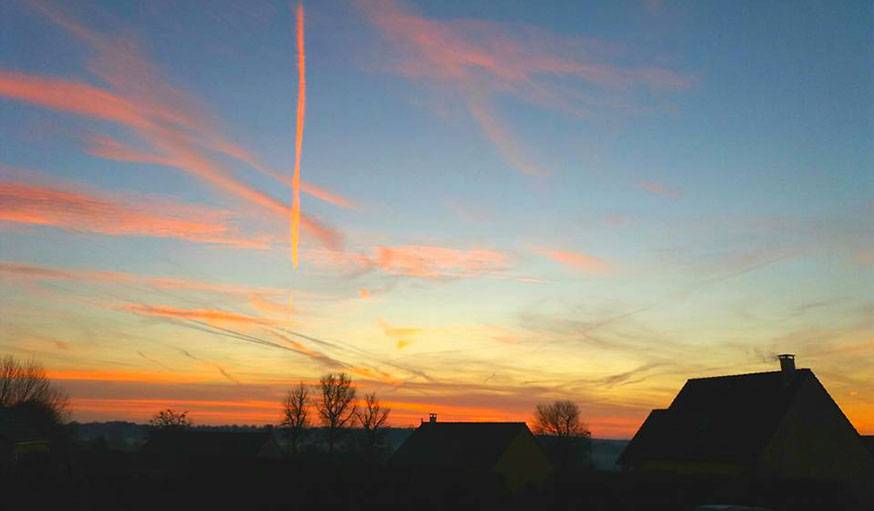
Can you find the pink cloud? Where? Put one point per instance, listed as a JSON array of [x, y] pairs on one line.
[[577, 261], [481, 59], [427, 261], [78, 208], [419, 261], [660, 189]]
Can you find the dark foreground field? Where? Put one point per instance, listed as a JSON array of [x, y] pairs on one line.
[[100, 478]]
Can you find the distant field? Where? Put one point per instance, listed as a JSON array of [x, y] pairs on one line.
[[606, 452]]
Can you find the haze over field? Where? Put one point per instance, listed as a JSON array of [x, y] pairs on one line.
[[499, 204]]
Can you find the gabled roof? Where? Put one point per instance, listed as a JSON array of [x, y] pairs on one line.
[[722, 419], [227, 444], [468, 445]]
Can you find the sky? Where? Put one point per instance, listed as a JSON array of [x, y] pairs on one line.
[[501, 203]]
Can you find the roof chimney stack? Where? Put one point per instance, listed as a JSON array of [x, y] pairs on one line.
[[787, 364], [432, 418]]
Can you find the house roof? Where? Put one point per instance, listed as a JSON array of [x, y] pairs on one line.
[[721, 419], [228, 444], [469, 445]]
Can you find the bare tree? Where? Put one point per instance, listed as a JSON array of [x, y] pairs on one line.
[[571, 438], [295, 415], [170, 419], [336, 406], [372, 420], [26, 386], [560, 418]]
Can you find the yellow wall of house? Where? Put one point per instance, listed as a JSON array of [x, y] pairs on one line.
[[523, 462]]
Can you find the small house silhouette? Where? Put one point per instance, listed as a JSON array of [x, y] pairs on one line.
[[507, 449]]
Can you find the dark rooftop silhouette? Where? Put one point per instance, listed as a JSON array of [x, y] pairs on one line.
[[475, 445], [779, 425], [724, 418]]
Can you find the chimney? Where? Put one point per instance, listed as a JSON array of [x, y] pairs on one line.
[[787, 365], [432, 418]]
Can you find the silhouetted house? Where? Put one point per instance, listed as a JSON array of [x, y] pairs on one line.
[[868, 440], [780, 425], [198, 444], [507, 449]]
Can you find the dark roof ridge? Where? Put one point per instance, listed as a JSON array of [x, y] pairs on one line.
[[799, 370]]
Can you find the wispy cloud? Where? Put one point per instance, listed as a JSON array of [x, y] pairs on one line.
[[577, 261], [13, 270], [660, 189], [403, 336], [109, 148], [483, 59], [79, 208], [428, 261], [172, 123], [419, 261], [209, 316]]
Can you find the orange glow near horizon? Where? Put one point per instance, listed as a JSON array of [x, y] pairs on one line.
[[298, 135]]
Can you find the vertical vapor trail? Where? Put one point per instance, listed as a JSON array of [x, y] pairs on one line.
[[298, 139]]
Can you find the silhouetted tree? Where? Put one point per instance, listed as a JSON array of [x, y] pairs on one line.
[[170, 419], [336, 405], [571, 438], [295, 415], [372, 419], [25, 388]]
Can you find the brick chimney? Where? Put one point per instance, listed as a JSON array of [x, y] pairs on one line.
[[432, 418], [787, 366]]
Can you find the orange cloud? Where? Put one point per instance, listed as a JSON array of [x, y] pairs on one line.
[[209, 316], [200, 411], [266, 306], [81, 209], [123, 376], [429, 261], [578, 261], [73, 97]]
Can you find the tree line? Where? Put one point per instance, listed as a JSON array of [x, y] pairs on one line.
[[331, 404]]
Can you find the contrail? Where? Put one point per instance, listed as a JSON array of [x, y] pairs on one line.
[[298, 139]]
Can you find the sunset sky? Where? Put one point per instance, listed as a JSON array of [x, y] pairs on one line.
[[501, 203]]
